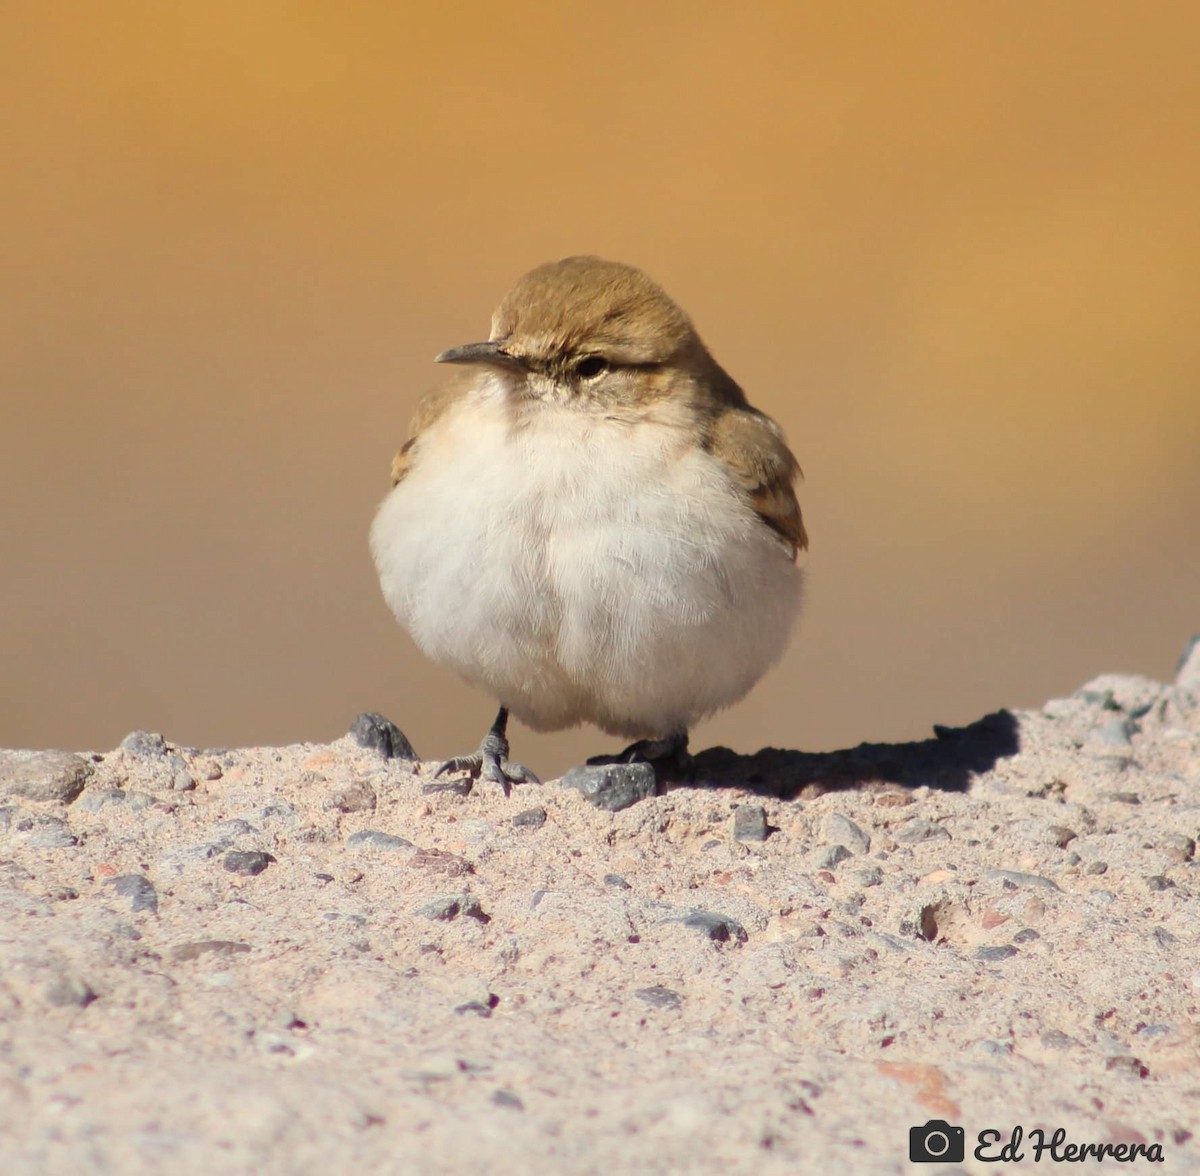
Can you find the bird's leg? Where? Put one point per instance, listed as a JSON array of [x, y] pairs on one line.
[[668, 756], [491, 761]]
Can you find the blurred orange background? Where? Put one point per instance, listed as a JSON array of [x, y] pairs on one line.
[[954, 248]]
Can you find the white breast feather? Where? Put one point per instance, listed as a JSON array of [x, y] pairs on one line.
[[583, 570]]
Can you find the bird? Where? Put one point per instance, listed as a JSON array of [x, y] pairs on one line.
[[590, 521]]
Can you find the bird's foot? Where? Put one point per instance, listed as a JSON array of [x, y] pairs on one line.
[[669, 757], [491, 761]]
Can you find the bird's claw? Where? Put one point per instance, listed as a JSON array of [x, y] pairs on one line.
[[488, 764]]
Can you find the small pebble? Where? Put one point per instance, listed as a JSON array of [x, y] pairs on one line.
[[52, 836], [55, 776], [1027, 935], [1159, 882], [718, 928], [144, 744], [478, 1007], [871, 876], [358, 797], [1096, 868], [247, 861], [617, 881], [1061, 836], [659, 997], [94, 799], [1002, 951], [1057, 1039], [377, 839], [1112, 734], [456, 785], [530, 818], [612, 787], [1016, 878], [750, 823], [1072, 859], [830, 855], [1178, 847], [1163, 937], [380, 734], [69, 991], [183, 782], [919, 829], [506, 1098], [138, 889], [450, 907], [200, 947], [840, 830]]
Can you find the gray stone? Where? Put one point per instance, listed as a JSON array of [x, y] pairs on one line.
[[1015, 878], [1057, 1039], [1002, 951], [68, 991], [829, 856], [506, 1098], [1130, 693], [380, 734], [718, 928], [457, 785], [1159, 882], [612, 787], [247, 861], [139, 890], [201, 947], [144, 745], [1113, 734], [451, 906], [377, 839], [183, 782], [358, 797], [841, 830], [233, 827], [1027, 935], [659, 997], [1060, 835], [750, 823], [94, 799], [919, 829], [52, 835], [1096, 868], [1177, 847], [871, 876], [478, 1007], [48, 776], [889, 942], [617, 881], [530, 818]]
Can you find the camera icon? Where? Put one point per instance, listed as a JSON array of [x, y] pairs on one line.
[[936, 1143]]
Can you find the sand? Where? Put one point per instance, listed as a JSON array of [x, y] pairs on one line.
[[318, 959]]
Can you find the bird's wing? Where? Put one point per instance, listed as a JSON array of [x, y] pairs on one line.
[[431, 407], [751, 447]]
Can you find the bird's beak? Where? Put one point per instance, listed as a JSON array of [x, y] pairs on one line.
[[491, 352]]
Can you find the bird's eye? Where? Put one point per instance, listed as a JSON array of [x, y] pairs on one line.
[[591, 366]]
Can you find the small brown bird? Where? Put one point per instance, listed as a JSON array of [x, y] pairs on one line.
[[590, 521]]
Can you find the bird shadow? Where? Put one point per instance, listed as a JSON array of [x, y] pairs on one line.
[[946, 762]]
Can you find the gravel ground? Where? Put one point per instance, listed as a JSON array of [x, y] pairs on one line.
[[319, 959]]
